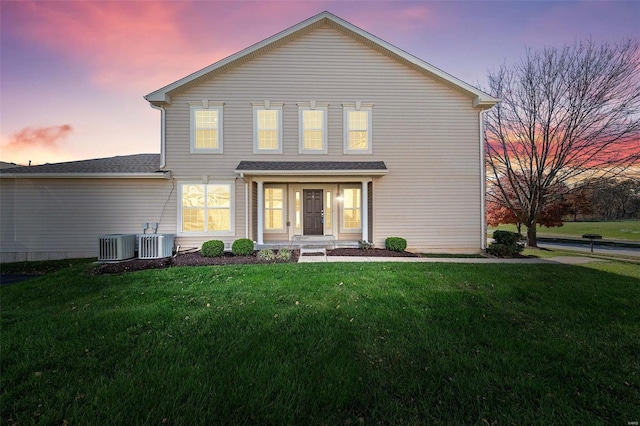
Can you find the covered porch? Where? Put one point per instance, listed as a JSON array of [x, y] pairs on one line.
[[292, 204]]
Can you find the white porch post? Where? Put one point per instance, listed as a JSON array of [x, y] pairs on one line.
[[260, 208], [365, 212]]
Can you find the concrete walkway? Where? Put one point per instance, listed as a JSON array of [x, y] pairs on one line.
[[567, 260]]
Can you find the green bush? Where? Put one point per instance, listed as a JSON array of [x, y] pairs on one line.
[[284, 254], [266, 254], [506, 244], [242, 247], [212, 248], [395, 244]]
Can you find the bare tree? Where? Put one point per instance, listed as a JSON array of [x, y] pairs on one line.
[[565, 114]]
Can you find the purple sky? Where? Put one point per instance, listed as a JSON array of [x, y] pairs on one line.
[[73, 73]]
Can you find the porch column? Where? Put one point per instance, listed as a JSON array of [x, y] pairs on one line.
[[365, 212], [260, 208]]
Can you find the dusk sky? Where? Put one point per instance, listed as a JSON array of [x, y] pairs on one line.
[[73, 73]]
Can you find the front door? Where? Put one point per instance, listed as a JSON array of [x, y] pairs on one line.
[[313, 223]]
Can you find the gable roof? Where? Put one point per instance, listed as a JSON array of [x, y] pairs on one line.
[[138, 165], [163, 95]]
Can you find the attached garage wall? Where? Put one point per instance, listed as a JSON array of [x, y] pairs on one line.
[[45, 219]]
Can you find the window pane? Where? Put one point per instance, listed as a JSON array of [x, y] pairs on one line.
[[273, 219], [351, 210], [218, 196], [267, 119], [313, 119], [207, 139], [273, 198], [313, 139], [357, 139], [358, 120], [267, 139], [193, 195], [192, 219], [352, 198], [219, 220], [274, 208], [298, 214], [206, 119], [327, 210]]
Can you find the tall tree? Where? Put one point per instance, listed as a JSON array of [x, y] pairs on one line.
[[565, 114]]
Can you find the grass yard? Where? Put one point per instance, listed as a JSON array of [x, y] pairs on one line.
[[612, 230], [349, 343]]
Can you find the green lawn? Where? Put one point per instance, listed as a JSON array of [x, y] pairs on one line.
[[324, 344], [613, 230]]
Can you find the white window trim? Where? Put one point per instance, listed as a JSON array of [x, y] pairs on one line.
[[267, 105], [232, 208], [342, 228], [284, 209], [205, 105], [313, 106], [357, 106]]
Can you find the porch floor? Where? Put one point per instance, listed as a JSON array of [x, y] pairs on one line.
[[319, 242]]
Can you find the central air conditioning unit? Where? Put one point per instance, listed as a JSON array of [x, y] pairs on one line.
[[116, 247], [155, 246]]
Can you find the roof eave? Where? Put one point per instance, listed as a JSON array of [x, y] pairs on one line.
[[312, 172], [154, 175], [485, 102]]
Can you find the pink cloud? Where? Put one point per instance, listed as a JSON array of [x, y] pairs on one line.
[[146, 45], [39, 137], [123, 44]]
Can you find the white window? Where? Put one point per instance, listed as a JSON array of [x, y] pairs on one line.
[[206, 208], [351, 210], [267, 127], [312, 122], [357, 128], [206, 127], [273, 209]]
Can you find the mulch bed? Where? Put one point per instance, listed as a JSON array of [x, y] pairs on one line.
[[373, 252], [195, 259]]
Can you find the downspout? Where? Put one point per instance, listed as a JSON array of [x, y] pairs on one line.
[[483, 185], [162, 134]]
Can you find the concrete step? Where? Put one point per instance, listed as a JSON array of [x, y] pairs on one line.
[[313, 249]]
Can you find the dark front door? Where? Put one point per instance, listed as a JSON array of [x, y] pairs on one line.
[[313, 212]]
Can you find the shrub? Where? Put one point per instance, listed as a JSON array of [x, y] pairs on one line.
[[266, 254], [395, 244], [242, 247], [212, 248], [365, 245], [284, 254], [506, 244]]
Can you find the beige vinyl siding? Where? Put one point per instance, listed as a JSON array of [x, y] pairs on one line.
[[60, 218], [424, 131]]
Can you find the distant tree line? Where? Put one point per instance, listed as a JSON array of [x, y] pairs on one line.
[[604, 199], [595, 199]]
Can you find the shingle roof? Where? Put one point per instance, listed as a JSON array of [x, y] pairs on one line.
[[126, 164], [306, 166]]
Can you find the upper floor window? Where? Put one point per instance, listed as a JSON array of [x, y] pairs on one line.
[[206, 127], [267, 127], [357, 128], [312, 122]]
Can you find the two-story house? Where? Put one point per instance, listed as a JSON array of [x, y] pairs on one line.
[[320, 131]]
